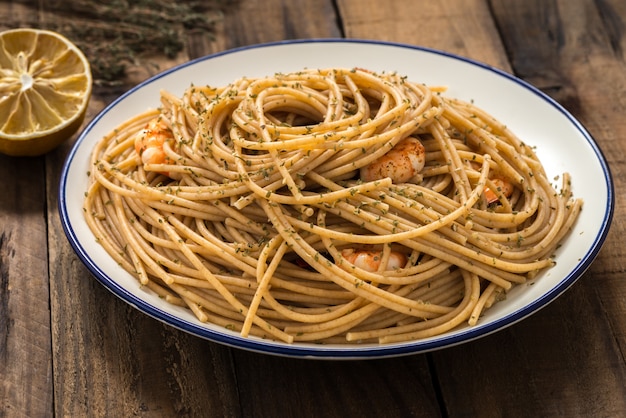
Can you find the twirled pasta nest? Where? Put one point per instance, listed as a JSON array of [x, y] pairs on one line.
[[255, 215]]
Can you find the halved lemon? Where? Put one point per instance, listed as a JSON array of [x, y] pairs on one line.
[[45, 87]]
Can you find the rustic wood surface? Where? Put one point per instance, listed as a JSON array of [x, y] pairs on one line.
[[69, 348]]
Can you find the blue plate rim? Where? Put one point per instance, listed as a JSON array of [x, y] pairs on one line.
[[321, 351]]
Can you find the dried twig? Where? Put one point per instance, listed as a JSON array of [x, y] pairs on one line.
[[122, 33]]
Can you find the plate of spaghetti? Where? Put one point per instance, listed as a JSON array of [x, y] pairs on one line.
[[336, 199]]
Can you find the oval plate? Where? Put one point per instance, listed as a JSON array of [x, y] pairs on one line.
[[562, 144]]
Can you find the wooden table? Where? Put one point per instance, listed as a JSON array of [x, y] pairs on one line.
[[69, 348]]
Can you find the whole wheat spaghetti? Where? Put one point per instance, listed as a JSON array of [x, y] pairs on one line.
[[247, 204]]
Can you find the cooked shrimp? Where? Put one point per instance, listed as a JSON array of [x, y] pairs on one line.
[[402, 163], [503, 186], [149, 142], [370, 260]]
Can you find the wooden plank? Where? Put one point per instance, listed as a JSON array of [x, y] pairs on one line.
[[465, 28], [399, 387], [25, 339], [540, 367], [590, 56], [249, 23], [25, 343], [594, 61]]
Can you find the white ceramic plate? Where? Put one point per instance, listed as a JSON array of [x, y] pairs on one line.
[[561, 141]]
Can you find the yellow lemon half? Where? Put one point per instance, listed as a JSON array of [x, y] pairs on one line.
[[45, 87]]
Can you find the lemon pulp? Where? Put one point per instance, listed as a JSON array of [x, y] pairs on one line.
[[45, 87]]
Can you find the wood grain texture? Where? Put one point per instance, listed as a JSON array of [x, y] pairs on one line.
[[572, 338], [25, 341], [25, 336], [399, 387], [513, 371], [591, 83], [68, 347], [464, 28], [250, 23]]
